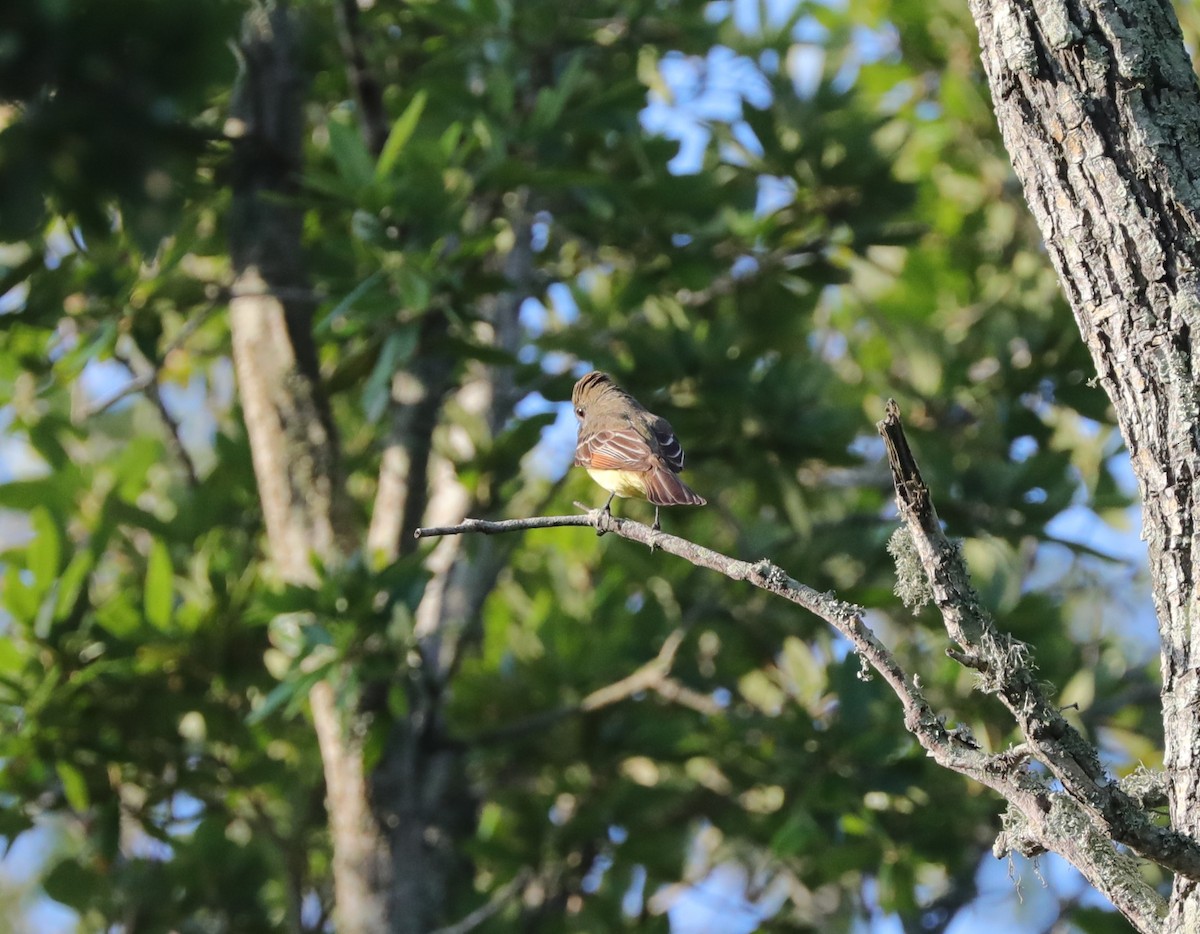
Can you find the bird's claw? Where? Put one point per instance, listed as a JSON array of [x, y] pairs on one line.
[[606, 512]]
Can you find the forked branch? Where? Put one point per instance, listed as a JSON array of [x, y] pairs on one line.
[[1006, 670], [1081, 825]]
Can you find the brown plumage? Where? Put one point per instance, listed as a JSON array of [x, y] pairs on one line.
[[625, 448]]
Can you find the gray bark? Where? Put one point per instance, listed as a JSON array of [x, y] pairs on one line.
[[1099, 109], [291, 435]]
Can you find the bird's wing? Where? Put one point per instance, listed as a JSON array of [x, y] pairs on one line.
[[614, 449], [669, 448]]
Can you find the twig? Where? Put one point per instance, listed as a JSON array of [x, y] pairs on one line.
[[492, 906], [134, 386], [174, 440], [654, 675], [143, 381], [649, 677], [672, 691], [488, 527], [846, 618]]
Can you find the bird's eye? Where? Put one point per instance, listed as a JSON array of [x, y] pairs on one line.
[[579, 410]]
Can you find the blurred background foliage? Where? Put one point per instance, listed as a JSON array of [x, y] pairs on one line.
[[764, 219]]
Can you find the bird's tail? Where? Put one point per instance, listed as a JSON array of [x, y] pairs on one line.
[[663, 488]]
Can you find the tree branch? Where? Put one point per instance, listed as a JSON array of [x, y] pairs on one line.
[[1048, 820], [417, 394], [148, 382], [654, 675], [1006, 671], [844, 617], [501, 897], [489, 527], [146, 379]]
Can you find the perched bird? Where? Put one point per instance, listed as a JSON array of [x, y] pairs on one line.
[[627, 450]]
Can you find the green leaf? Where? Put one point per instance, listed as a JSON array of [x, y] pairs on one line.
[[415, 289], [136, 459], [72, 581], [350, 154], [805, 674], [397, 349], [72, 884], [159, 586], [402, 131], [325, 325], [289, 693], [118, 618], [451, 140], [26, 495], [45, 436], [796, 835], [74, 786], [45, 549], [13, 823], [20, 598], [553, 99], [12, 659]]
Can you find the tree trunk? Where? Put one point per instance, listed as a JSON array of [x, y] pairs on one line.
[[1100, 112], [291, 433]]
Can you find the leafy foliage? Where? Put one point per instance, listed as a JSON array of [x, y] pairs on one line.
[[848, 232]]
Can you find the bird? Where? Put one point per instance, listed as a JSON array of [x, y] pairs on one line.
[[629, 451]]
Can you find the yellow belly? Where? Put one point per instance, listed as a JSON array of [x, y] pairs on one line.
[[624, 483]]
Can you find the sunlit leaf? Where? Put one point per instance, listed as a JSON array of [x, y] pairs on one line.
[[159, 586], [74, 786], [44, 550], [401, 132]]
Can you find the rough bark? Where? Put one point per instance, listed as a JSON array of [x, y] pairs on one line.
[[1100, 112], [418, 789], [291, 435]]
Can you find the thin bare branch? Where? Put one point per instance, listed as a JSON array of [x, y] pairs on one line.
[[676, 693], [844, 617], [147, 378], [174, 439], [654, 675], [501, 897], [489, 527], [647, 678]]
